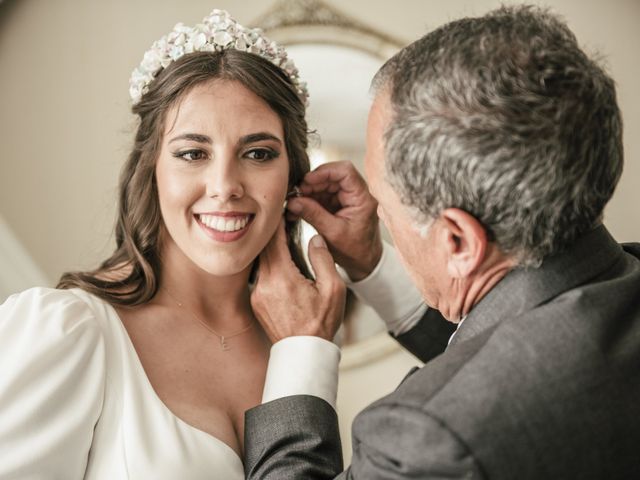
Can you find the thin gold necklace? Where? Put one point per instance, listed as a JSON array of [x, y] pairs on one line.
[[224, 346]]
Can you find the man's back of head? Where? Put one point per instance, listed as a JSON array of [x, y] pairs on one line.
[[504, 117]]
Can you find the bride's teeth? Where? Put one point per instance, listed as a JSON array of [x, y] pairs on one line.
[[224, 224]]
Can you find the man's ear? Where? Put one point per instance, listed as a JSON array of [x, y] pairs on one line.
[[465, 242]]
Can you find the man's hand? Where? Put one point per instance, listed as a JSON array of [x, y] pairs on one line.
[[337, 203], [286, 303]]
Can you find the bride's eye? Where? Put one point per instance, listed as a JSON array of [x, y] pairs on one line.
[[262, 154], [190, 155]]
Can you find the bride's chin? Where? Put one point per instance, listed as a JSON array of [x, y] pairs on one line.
[[223, 269]]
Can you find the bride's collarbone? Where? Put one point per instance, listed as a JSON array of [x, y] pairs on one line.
[[202, 383], [156, 328], [185, 353]]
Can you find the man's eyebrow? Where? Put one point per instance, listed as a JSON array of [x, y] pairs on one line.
[[257, 137], [194, 137]]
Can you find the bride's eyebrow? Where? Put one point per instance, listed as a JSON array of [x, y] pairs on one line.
[[258, 137], [251, 138], [194, 137]]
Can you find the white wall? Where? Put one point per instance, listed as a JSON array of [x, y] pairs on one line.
[[18, 271]]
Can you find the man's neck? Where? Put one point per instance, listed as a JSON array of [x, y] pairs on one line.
[[470, 290]]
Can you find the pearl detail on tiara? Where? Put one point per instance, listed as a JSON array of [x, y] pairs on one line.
[[217, 32]]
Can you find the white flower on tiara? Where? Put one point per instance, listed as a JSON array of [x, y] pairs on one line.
[[217, 32]]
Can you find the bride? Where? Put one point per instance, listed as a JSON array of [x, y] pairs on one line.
[[144, 367]]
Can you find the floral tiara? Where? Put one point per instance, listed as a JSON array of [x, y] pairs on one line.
[[217, 32]]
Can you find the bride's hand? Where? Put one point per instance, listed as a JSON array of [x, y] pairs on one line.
[[286, 303]]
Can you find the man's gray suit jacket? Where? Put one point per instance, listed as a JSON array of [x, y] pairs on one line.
[[541, 381]]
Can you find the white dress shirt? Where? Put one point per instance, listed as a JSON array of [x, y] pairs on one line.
[[309, 365]]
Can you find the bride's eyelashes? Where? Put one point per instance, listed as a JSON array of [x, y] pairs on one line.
[[191, 155], [262, 154], [257, 154]]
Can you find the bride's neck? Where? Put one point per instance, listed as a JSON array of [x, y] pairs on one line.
[[222, 302]]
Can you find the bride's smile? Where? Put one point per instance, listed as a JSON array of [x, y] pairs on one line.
[[225, 226]]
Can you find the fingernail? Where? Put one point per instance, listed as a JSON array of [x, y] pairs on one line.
[[294, 207], [318, 242]]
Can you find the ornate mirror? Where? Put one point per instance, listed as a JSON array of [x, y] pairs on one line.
[[337, 56]]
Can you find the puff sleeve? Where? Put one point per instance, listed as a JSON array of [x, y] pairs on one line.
[[52, 377]]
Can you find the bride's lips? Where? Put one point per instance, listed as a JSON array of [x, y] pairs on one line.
[[225, 226]]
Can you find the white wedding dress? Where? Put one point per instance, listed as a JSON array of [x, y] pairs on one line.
[[75, 402]]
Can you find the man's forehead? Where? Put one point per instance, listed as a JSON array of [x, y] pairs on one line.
[[374, 159], [381, 105]]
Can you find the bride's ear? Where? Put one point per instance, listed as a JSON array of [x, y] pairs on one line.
[[293, 230]]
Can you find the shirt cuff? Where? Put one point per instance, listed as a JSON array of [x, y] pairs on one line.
[[390, 292], [302, 365]]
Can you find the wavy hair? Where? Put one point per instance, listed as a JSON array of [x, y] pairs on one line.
[[130, 276]]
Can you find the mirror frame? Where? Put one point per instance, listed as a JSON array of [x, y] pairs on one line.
[[291, 22]]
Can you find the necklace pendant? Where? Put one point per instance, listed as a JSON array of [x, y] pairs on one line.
[[223, 344]]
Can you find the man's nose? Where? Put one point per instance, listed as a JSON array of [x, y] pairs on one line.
[[224, 179]]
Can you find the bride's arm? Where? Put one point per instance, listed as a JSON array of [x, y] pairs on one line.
[[51, 384]]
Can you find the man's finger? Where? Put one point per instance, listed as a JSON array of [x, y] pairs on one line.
[[323, 265], [314, 214], [342, 173], [292, 217]]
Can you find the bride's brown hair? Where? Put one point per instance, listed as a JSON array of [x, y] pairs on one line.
[[130, 276]]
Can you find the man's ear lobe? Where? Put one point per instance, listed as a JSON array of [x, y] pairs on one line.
[[465, 242]]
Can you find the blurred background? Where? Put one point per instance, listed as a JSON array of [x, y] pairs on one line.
[[65, 125]]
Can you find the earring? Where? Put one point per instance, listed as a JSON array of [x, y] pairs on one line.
[[295, 192]]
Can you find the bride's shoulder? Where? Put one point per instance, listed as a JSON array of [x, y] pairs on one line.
[[50, 298], [52, 313]]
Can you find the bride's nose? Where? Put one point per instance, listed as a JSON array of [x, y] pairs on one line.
[[224, 179]]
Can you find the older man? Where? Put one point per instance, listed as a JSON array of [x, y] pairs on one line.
[[493, 145]]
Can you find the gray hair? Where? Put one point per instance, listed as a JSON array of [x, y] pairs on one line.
[[504, 117]]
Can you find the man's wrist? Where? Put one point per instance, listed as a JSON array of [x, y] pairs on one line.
[[361, 271], [388, 289], [302, 365]]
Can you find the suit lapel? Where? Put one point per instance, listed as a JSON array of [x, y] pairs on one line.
[[523, 289]]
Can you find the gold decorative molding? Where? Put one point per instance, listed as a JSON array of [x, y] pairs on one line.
[[314, 21]]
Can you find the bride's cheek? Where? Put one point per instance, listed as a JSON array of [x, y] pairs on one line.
[[273, 208]]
